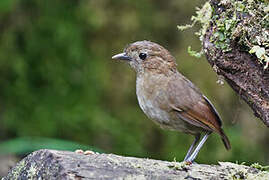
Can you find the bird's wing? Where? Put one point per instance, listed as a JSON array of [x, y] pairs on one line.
[[192, 106]]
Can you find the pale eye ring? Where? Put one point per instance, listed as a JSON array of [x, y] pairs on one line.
[[143, 56]]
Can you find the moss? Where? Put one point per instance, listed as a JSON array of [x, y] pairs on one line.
[[245, 22]]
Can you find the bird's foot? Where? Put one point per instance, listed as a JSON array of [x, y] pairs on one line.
[[188, 162]]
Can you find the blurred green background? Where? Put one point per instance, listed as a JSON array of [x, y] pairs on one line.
[[60, 89]]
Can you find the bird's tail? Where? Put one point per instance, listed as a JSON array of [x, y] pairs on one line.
[[225, 140]]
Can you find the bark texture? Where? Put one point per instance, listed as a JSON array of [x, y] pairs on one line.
[[241, 70], [51, 164]]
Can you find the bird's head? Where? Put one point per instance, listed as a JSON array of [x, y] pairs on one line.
[[146, 55]]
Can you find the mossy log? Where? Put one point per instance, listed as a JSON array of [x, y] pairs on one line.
[[52, 164], [236, 27]]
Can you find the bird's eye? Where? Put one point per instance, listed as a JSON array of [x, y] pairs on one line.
[[143, 56]]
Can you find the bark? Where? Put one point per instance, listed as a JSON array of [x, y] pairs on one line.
[[241, 70], [51, 164]]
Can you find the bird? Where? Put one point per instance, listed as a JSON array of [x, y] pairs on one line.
[[168, 98]]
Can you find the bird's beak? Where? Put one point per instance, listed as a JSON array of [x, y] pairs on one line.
[[122, 56]]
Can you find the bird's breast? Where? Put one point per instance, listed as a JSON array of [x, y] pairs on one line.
[[152, 99], [152, 94]]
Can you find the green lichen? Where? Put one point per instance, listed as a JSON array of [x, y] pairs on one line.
[[245, 22], [260, 52], [18, 168], [178, 166], [32, 171], [194, 53], [203, 17], [260, 167], [243, 172]]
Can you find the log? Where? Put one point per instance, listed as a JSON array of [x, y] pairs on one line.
[[52, 164], [227, 42]]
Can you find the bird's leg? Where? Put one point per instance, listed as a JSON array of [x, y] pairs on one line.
[[197, 149], [196, 140]]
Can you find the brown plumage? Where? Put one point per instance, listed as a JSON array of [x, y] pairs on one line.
[[168, 98]]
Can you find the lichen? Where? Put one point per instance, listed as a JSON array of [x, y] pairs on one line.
[[203, 17], [135, 177], [194, 53], [32, 171], [179, 166], [260, 52], [245, 22], [18, 168], [260, 167], [240, 171]]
